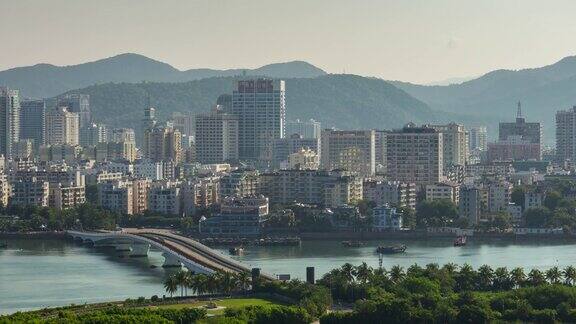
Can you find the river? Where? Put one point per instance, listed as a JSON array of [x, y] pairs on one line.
[[42, 273]]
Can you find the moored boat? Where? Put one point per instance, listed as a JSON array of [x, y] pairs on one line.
[[236, 250], [391, 249], [460, 240], [353, 243]]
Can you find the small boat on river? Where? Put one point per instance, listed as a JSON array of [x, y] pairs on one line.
[[391, 249], [460, 240], [353, 244], [236, 250]]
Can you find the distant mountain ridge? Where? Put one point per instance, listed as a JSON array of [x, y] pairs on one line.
[[342, 101], [46, 80], [542, 91]]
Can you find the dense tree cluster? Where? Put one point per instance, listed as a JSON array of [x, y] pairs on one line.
[[452, 294], [88, 216], [114, 315]]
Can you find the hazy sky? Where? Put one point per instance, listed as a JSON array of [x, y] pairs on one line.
[[412, 40]]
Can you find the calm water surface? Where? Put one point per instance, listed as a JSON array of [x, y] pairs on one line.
[[41, 273]]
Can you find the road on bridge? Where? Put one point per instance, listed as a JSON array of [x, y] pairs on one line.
[[194, 250]]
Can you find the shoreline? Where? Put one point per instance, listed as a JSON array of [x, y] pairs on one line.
[[361, 236], [32, 235]]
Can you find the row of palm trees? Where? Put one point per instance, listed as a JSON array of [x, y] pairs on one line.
[[463, 278], [219, 282]]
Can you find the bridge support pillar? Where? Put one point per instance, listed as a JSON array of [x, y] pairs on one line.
[[122, 246], [139, 250], [170, 261]]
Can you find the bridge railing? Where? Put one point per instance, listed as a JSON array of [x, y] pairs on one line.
[[160, 246]]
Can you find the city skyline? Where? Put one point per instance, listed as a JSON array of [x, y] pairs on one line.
[[453, 34]]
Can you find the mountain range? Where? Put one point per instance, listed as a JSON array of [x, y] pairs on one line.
[[46, 80], [120, 85], [542, 91], [342, 101]]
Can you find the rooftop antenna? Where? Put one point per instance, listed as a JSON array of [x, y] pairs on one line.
[[519, 112]]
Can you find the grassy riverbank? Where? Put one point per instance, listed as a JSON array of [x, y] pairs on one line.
[[208, 306]]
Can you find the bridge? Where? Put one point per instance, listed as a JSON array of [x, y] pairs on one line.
[[177, 250]]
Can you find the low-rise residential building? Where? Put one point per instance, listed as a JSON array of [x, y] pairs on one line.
[[443, 190], [315, 187], [31, 192], [4, 190], [499, 194], [64, 196], [284, 147], [305, 159], [514, 148], [116, 195], [533, 199], [238, 217], [240, 183], [515, 212], [386, 218], [200, 193], [393, 193], [164, 198], [471, 203]]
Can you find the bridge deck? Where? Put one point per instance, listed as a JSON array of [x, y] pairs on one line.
[[195, 250]]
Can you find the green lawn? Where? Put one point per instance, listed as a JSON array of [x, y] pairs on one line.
[[226, 302]]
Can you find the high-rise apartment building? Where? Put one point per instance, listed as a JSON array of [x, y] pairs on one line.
[[184, 123], [119, 135], [454, 143], [305, 128], [9, 119], [163, 144], [261, 110], [477, 138], [62, 127], [415, 154], [33, 121], [531, 132], [380, 150], [92, 134], [216, 137], [148, 122], [352, 150], [293, 143], [566, 134], [79, 104]]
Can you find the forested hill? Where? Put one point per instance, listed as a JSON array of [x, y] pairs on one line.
[[46, 80], [342, 101]]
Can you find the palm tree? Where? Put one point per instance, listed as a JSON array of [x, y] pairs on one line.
[[243, 281], [171, 285], [182, 278], [536, 277], [569, 275], [347, 270], [553, 275], [396, 273], [466, 278], [212, 284], [198, 283], [450, 268], [518, 277], [414, 270], [188, 281], [363, 272], [502, 280], [485, 277]]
